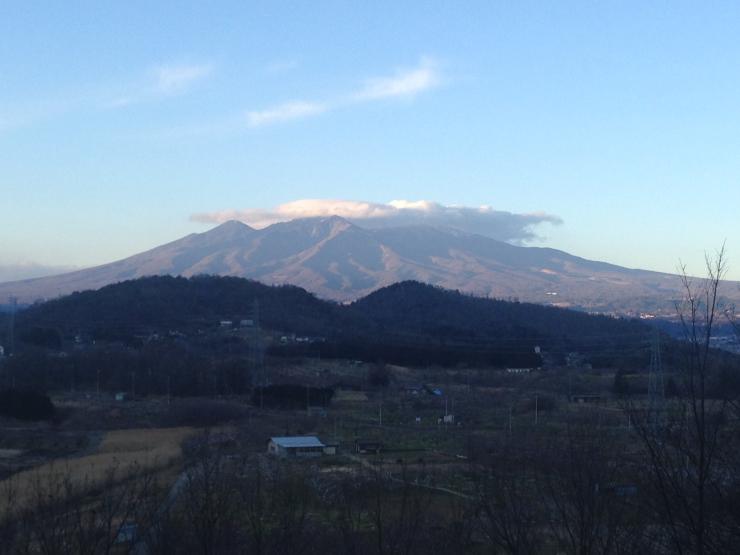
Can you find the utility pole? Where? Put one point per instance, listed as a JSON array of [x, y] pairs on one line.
[[380, 413], [133, 385], [536, 409], [509, 420]]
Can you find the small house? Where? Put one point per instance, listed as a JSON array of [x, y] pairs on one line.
[[331, 448], [368, 446], [413, 390], [435, 391], [295, 446]]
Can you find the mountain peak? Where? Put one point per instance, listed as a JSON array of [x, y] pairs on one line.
[[233, 225], [233, 229], [314, 226]]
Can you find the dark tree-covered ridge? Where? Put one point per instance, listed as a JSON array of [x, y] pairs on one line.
[[408, 322]]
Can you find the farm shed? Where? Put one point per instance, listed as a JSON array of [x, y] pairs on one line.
[[295, 446]]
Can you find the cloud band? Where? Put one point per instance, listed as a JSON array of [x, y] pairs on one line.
[[484, 220]]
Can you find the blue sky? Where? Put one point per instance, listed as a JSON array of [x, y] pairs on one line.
[[120, 121]]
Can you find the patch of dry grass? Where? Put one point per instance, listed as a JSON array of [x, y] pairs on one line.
[[122, 451]]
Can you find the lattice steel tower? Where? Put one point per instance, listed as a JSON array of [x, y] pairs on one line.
[[11, 326], [256, 350]]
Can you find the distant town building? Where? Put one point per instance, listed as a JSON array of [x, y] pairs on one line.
[[518, 370], [226, 323], [296, 446], [247, 323]]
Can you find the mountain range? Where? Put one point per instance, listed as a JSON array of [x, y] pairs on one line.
[[338, 260]]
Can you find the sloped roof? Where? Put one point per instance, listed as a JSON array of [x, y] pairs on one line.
[[297, 441]]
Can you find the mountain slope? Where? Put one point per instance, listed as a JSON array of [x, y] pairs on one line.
[[341, 261]]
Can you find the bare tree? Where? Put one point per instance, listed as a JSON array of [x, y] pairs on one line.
[[583, 489], [14, 537], [63, 514], [275, 499], [398, 510], [509, 508], [209, 503], [347, 509], [689, 454]]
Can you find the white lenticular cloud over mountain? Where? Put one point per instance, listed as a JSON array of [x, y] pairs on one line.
[[484, 220]]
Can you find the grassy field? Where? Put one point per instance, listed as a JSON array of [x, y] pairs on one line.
[[122, 450]]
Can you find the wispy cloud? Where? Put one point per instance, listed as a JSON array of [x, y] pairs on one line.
[[403, 83], [147, 85], [484, 220], [175, 79], [160, 82], [285, 112]]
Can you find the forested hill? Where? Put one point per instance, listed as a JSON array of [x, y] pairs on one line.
[[412, 307], [408, 317], [166, 302]]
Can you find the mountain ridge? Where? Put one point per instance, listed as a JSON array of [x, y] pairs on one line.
[[406, 323], [339, 260]]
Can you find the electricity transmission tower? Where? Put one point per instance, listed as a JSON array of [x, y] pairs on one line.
[[656, 388], [256, 350], [11, 326]]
